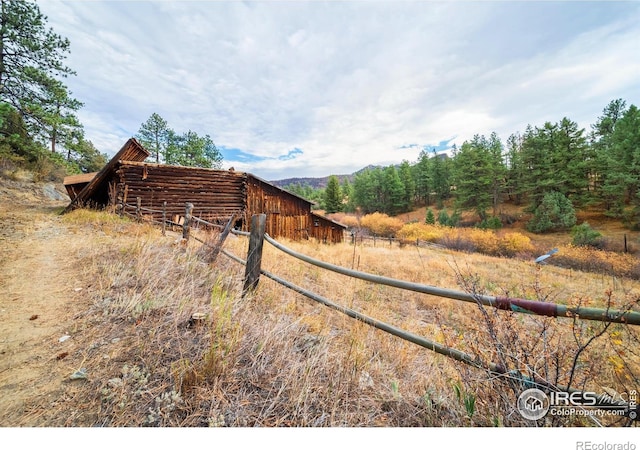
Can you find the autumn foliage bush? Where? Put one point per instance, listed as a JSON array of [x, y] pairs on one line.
[[469, 239], [381, 224], [598, 261]]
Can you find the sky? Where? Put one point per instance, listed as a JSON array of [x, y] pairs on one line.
[[310, 88]]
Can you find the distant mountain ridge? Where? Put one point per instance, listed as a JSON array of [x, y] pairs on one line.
[[319, 182]]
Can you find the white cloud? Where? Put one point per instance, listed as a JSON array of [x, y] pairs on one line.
[[348, 83]]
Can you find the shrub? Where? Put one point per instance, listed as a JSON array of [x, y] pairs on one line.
[[512, 244], [423, 232], [443, 218], [431, 218], [446, 220], [491, 223], [598, 261], [381, 224], [585, 236], [555, 212]]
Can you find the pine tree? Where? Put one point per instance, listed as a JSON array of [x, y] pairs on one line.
[[422, 175], [478, 174], [393, 192], [440, 177], [538, 177], [554, 212], [347, 194], [363, 191], [572, 162], [31, 68], [625, 143], [431, 218], [333, 196], [409, 186], [609, 179], [514, 169], [153, 135]]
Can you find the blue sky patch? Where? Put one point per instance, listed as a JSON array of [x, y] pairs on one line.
[[293, 154]]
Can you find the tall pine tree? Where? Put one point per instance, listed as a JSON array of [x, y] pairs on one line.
[[333, 196], [31, 69]]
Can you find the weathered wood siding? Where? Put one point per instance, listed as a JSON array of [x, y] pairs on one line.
[[326, 230], [99, 190], [215, 194], [287, 214]]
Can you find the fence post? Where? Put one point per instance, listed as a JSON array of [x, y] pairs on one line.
[[164, 218], [222, 238], [187, 221], [254, 257], [138, 211]]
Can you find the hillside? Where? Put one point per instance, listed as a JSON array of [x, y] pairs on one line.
[[319, 182]]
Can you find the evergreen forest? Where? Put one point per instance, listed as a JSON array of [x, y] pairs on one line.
[[550, 170]]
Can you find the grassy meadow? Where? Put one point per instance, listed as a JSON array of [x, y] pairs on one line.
[[276, 358]]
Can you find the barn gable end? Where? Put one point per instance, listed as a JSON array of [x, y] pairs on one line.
[[99, 190]]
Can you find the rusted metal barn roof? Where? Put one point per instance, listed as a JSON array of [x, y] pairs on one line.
[[132, 150]]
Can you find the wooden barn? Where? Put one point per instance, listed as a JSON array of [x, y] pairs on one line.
[[215, 194]]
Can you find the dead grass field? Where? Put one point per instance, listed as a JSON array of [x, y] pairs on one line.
[[276, 359]]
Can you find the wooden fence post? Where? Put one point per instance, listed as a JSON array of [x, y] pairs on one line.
[[187, 221], [138, 210], [164, 218], [222, 238], [254, 257]]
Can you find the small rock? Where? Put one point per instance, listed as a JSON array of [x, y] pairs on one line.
[[115, 340], [64, 338], [79, 374], [77, 289], [33, 317]]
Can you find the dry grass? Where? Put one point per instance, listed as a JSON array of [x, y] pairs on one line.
[[275, 358]]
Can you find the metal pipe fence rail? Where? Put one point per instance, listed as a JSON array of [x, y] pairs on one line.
[[505, 303], [518, 305], [496, 370], [253, 272]]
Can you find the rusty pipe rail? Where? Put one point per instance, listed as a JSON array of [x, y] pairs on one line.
[[504, 303]]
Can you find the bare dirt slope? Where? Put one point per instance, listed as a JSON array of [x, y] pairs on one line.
[[39, 292]]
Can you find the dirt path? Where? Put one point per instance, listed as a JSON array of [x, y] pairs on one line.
[[39, 291]]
